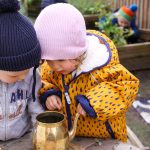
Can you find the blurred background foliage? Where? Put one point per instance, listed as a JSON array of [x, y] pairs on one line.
[[91, 6], [88, 8]]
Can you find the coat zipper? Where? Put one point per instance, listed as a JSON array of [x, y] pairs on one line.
[[67, 102], [67, 97]]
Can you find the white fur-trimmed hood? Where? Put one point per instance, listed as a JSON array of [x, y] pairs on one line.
[[97, 55]]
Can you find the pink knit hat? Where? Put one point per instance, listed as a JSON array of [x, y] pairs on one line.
[[61, 32]]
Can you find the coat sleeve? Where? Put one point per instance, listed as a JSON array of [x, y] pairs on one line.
[[48, 86], [134, 27], [113, 94]]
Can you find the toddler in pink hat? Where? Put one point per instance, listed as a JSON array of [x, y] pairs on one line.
[[82, 74], [62, 35]]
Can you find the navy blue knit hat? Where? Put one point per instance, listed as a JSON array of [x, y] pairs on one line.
[[19, 47]]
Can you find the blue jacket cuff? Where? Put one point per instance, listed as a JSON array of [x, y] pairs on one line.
[[85, 105], [48, 93]]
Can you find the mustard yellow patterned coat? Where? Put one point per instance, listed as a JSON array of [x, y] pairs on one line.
[[103, 87]]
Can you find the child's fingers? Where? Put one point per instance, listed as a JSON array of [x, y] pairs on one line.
[[59, 103], [80, 110], [52, 105], [48, 105], [55, 103], [83, 112]]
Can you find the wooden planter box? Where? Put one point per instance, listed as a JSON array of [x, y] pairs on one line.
[[136, 56], [90, 21], [33, 11]]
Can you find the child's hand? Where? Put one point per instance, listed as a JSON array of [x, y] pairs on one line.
[[53, 102], [131, 32], [80, 110]]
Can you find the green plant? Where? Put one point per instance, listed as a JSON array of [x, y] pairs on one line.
[[33, 2], [91, 7], [116, 34], [33, 7], [103, 8]]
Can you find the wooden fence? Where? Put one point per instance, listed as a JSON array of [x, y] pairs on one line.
[[143, 13]]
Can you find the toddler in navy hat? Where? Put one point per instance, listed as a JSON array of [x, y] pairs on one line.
[[20, 54]]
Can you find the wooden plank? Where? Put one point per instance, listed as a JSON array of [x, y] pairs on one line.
[[89, 18], [145, 16], [118, 4], [134, 139], [124, 2], [138, 12], [131, 2], [149, 15], [127, 2], [145, 34], [134, 50], [90, 21], [135, 56], [133, 64], [141, 14]]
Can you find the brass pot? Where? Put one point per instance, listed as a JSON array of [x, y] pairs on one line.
[[51, 132]]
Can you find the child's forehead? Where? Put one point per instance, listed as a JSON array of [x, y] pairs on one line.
[[122, 19]]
